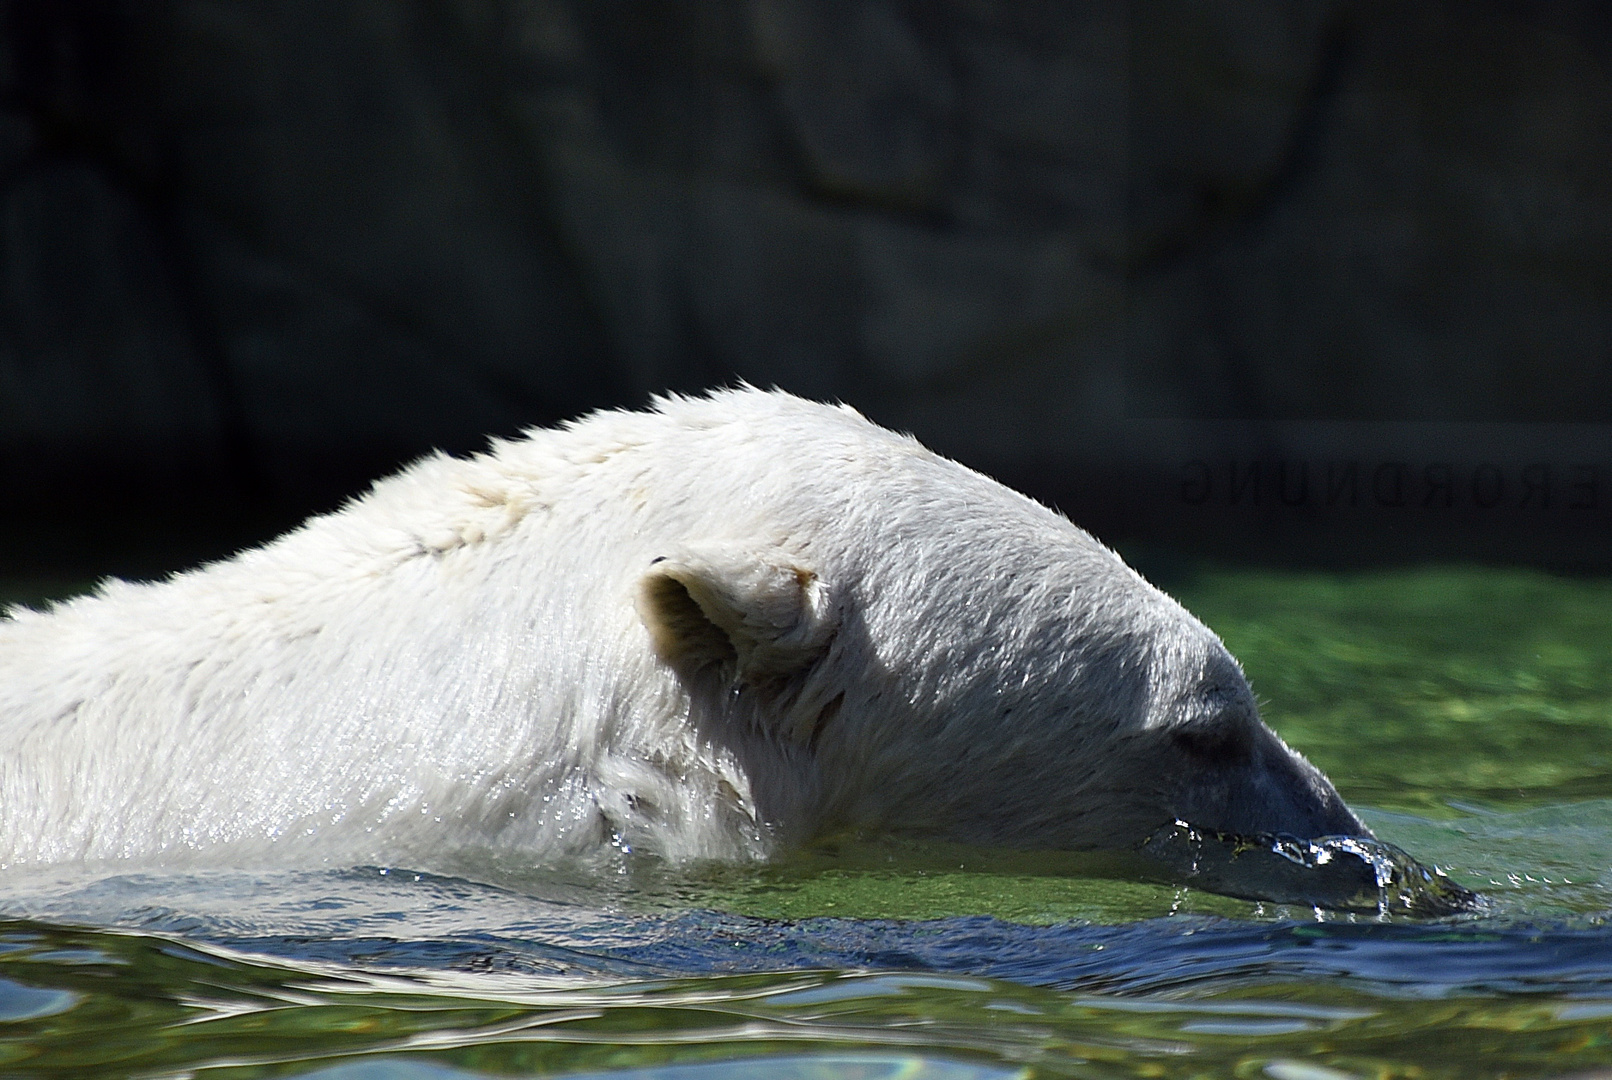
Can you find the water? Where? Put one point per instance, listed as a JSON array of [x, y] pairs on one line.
[[1466, 712]]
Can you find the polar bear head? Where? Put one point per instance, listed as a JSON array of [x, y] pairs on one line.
[[914, 647]]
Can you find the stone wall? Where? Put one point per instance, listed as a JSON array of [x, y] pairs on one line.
[[270, 248]]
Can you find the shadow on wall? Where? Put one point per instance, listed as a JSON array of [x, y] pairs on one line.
[[1328, 281]]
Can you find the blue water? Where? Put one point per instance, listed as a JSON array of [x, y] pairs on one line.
[[380, 972], [368, 918]]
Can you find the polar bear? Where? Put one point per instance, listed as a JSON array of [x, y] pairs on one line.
[[712, 630]]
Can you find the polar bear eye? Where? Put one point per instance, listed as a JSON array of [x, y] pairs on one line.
[[1213, 744]]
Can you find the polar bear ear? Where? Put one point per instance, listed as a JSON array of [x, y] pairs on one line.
[[755, 612]]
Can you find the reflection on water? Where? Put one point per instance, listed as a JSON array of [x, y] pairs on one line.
[[357, 974], [1467, 713], [1341, 873], [865, 1066]]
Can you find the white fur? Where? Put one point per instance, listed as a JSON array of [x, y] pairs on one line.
[[704, 631]]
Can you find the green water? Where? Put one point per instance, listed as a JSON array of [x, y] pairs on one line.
[[116, 1005], [1465, 711]]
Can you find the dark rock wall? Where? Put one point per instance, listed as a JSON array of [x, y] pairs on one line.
[[264, 250]]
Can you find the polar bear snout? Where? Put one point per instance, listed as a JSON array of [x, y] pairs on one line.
[[1252, 783]]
